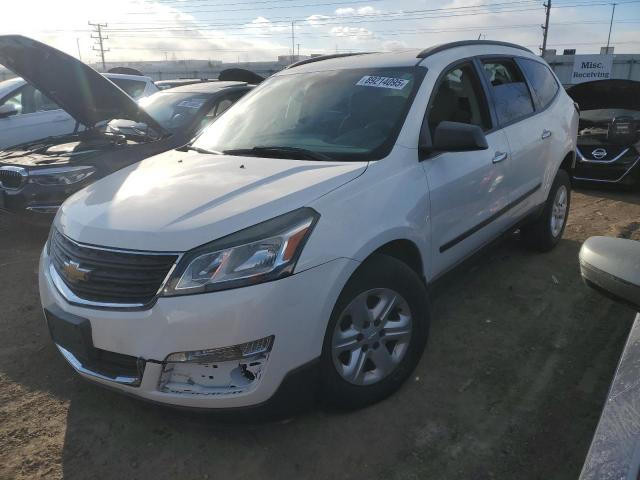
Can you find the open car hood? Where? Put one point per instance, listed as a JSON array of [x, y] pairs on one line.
[[602, 94], [81, 91]]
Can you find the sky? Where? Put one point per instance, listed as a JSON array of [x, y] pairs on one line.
[[245, 30]]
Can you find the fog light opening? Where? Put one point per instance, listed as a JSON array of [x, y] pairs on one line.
[[221, 371]]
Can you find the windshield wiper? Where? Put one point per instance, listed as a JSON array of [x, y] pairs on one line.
[[289, 152], [200, 150]]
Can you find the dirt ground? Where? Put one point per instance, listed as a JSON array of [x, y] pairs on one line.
[[519, 361]]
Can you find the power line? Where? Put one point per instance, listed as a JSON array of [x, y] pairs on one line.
[[377, 17], [196, 36]]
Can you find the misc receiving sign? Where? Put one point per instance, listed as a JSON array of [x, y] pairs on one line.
[[382, 82], [587, 68]]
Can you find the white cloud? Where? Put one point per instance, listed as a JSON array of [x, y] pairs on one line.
[[316, 20], [367, 10], [140, 31], [262, 24]]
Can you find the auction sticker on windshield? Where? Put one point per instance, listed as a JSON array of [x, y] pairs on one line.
[[195, 103], [382, 82]]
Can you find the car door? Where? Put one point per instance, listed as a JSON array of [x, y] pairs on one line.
[[468, 190], [526, 132], [38, 117]]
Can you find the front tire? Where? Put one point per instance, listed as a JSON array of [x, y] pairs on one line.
[[545, 233], [376, 335]]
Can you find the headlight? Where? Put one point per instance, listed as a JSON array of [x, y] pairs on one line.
[[60, 175], [261, 253]]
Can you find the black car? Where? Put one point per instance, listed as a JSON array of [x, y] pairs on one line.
[[112, 130], [609, 132]]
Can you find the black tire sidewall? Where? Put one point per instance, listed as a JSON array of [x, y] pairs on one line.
[[379, 271], [538, 235], [562, 179]]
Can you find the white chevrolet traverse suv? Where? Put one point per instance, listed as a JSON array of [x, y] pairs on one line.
[[295, 239]]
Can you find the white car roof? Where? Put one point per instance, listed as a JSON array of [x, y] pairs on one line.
[[409, 57]]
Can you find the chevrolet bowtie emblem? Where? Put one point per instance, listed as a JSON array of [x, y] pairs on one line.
[[73, 272]]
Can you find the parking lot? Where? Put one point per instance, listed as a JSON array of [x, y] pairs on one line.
[[516, 372]]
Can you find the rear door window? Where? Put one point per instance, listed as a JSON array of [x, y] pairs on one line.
[[541, 79], [510, 92], [42, 103]]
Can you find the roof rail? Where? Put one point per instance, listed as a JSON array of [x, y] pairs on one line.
[[464, 43], [325, 57]]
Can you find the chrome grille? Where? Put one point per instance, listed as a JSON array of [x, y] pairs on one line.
[[12, 177], [602, 153], [108, 276]]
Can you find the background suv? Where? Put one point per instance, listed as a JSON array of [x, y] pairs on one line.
[[296, 239]]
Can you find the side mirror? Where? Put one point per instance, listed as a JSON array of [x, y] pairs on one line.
[[8, 109], [612, 267], [456, 137]]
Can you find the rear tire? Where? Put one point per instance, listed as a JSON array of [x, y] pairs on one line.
[[546, 231], [376, 335]]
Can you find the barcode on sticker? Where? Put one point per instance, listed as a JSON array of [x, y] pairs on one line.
[[382, 82]]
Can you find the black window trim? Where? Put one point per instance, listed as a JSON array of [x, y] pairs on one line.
[[470, 61], [476, 63], [537, 100]]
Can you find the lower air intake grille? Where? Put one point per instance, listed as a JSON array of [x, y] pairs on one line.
[[107, 276]]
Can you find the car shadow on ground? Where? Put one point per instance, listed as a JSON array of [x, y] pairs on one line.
[[517, 369]]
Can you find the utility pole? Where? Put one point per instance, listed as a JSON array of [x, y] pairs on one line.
[[545, 27], [99, 44], [613, 11], [298, 51], [78, 44], [293, 40]]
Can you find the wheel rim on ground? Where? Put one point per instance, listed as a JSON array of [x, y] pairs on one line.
[[371, 336], [559, 211]]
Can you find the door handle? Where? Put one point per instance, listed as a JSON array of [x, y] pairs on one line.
[[499, 157], [546, 134]]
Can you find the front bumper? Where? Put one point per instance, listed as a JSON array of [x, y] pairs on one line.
[[295, 310], [33, 200], [624, 170]]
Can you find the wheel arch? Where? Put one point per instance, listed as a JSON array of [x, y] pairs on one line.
[[404, 250], [568, 162]]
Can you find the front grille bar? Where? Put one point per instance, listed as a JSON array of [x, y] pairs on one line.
[[118, 279]]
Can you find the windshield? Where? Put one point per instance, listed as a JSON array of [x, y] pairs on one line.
[[615, 126], [174, 110], [342, 114]]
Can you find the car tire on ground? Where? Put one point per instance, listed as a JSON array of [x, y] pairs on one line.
[[546, 231], [376, 335]]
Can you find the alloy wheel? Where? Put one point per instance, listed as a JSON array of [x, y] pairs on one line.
[[559, 210], [371, 336]]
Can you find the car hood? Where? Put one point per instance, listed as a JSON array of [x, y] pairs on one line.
[[81, 91], [602, 94], [179, 200]]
